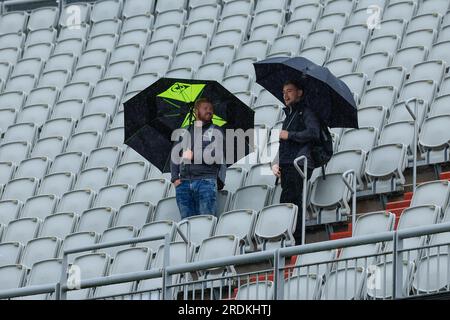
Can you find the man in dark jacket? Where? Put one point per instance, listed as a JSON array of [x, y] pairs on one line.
[[300, 129], [200, 173]]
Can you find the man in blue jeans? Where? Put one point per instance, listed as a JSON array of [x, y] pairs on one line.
[[198, 174]]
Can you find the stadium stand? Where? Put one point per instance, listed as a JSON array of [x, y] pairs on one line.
[[67, 180]]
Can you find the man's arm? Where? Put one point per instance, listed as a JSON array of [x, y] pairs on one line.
[[312, 129]]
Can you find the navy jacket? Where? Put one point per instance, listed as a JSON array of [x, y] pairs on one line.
[[303, 128]]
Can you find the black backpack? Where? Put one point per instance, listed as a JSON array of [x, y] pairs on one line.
[[322, 150]]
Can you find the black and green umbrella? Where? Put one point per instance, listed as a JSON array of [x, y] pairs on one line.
[[152, 115]]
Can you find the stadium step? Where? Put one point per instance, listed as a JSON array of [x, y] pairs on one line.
[[397, 205]]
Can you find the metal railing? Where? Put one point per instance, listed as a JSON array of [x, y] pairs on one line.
[[276, 257]]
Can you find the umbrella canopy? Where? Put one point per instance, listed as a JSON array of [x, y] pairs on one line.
[[327, 95], [152, 115]]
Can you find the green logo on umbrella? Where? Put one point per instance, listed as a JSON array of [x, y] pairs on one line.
[[187, 93]]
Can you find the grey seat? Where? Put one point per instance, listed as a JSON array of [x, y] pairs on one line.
[[43, 273], [10, 253], [135, 214], [9, 210], [68, 162], [39, 206], [22, 230], [433, 139], [151, 190], [240, 223], [77, 240], [12, 276], [14, 152], [126, 261], [96, 219], [93, 179], [113, 196], [275, 226], [40, 249], [20, 189], [76, 201], [263, 290], [59, 225], [167, 209], [156, 229], [252, 197], [115, 234]]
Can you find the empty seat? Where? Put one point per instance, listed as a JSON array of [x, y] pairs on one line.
[[433, 139], [335, 20], [157, 229], [135, 7], [93, 57], [71, 45], [239, 21], [167, 209], [57, 127], [197, 228], [130, 173], [14, 151], [48, 147], [43, 18], [343, 161], [84, 142], [117, 234], [440, 106], [223, 53], [151, 190], [345, 284], [12, 276], [432, 6], [10, 253], [10, 55], [329, 198], [94, 265], [13, 22], [39, 50], [68, 162], [20, 132], [252, 197], [20, 189], [11, 40], [423, 37], [262, 290], [341, 66], [308, 10], [78, 240], [92, 122], [318, 54], [347, 49], [134, 37], [125, 69], [106, 26], [9, 210], [364, 139], [32, 167], [43, 95], [59, 225], [430, 70], [106, 9], [387, 43], [303, 287], [325, 37], [408, 57], [373, 61], [385, 164], [242, 66], [28, 66], [75, 90], [391, 76], [24, 83], [96, 219], [440, 51], [395, 26], [113, 137], [399, 132], [57, 183], [40, 249], [93, 179], [355, 32], [69, 32], [103, 157], [39, 206], [113, 196], [76, 201], [237, 7], [126, 261], [22, 230], [402, 10], [103, 41], [432, 193], [91, 74], [379, 96], [135, 214]]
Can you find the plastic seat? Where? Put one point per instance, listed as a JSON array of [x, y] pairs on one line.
[[135, 214], [68, 162], [13, 22], [84, 142], [262, 290], [14, 152], [106, 9], [167, 209], [113, 196], [12, 276], [57, 183], [113, 137], [20, 132], [152, 190], [106, 26], [96, 219], [91, 74], [93, 57], [93, 179], [59, 225], [20, 189], [22, 230], [130, 173], [77, 240], [92, 122], [157, 229], [170, 31], [103, 157], [93, 265], [251, 197], [40, 249], [10, 253], [103, 41], [379, 96], [76, 201], [39, 206], [373, 61], [76, 90], [134, 7], [9, 211]]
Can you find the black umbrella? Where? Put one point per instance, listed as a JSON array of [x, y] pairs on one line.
[[327, 95], [152, 115]]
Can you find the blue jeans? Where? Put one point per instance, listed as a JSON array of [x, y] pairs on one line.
[[196, 196]]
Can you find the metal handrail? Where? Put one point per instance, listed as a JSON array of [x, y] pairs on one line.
[[304, 174]]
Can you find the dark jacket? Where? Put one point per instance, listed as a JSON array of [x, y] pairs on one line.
[[186, 170], [303, 128]]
